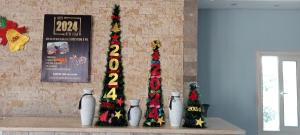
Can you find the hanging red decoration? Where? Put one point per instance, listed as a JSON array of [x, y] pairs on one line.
[[9, 25], [153, 113]]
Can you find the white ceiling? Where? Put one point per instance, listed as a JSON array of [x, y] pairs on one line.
[[249, 4]]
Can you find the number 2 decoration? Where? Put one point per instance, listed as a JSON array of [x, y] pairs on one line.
[[112, 107]]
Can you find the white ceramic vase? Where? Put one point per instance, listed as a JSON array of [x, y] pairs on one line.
[[87, 107], [175, 110], [134, 113]]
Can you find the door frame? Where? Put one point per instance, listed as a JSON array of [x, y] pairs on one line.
[[259, 91]]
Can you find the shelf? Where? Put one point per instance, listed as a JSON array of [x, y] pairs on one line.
[[57, 124]]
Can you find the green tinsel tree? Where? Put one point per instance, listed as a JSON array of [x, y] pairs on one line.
[[112, 107], [194, 111], [155, 112]]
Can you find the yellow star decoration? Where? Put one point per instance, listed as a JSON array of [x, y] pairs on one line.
[[155, 44], [160, 120], [118, 114], [199, 122], [116, 28]]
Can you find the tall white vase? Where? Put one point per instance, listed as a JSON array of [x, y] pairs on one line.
[[134, 113], [175, 110], [87, 107]]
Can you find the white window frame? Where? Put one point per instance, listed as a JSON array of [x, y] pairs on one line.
[[259, 91]]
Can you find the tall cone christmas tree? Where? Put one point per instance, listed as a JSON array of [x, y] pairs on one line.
[[155, 113], [193, 112], [112, 108]]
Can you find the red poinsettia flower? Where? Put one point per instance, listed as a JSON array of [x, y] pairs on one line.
[[155, 73], [153, 113], [155, 83], [193, 96], [155, 98]]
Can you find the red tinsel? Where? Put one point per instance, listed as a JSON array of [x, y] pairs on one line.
[[115, 37], [113, 42], [113, 71], [113, 86], [155, 55], [107, 105], [155, 71], [115, 17]]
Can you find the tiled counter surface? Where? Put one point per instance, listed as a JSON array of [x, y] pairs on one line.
[[71, 126]]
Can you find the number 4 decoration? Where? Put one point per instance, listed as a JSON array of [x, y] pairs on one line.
[[112, 107]]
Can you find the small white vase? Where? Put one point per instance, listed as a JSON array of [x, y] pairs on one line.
[[134, 113], [87, 107], [175, 110]]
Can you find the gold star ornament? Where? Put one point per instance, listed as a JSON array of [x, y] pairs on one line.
[[155, 44], [199, 122], [116, 28], [161, 121], [118, 114]]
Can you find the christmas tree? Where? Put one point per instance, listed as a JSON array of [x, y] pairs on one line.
[[193, 112], [112, 108], [155, 112]]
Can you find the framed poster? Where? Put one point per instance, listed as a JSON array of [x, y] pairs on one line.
[[66, 48]]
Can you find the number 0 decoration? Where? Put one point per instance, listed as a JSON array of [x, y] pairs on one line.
[[155, 113], [112, 108]]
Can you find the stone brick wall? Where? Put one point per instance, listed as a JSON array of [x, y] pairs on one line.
[[190, 41], [22, 93]]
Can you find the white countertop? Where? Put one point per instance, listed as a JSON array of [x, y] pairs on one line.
[[72, 124]]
